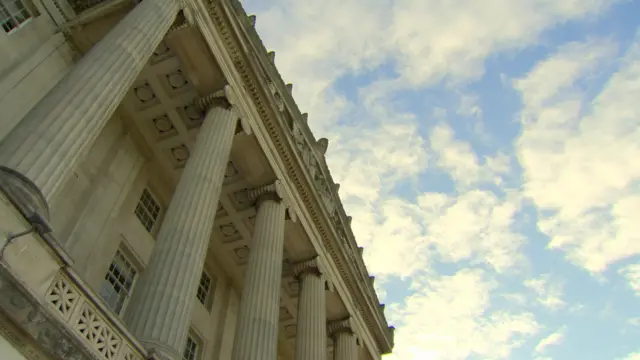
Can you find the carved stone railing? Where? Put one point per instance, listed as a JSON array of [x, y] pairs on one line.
[[88, 322], [42, 294]]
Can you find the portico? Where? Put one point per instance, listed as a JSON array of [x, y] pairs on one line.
[[245, 193]]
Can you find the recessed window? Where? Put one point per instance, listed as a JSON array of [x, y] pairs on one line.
[[191, 349], [204, 289], [118, 282], [13, 13], [147, 210]]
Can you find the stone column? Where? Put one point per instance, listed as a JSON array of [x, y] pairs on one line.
[[159, 312], [49, 141], [256, 336], [311, 333], [345, 346]]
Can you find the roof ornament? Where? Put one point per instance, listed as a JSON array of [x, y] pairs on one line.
[[252, 20], [322, 145]]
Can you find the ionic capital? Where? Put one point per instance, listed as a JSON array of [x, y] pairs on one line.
[[274, 191], [341, 326], [216, 99], [226, 98], [311, 266]]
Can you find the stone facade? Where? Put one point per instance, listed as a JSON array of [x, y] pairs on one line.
[[162, 195]]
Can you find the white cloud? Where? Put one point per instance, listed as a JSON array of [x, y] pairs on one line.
[[394, 240], [474, 226], [379, 155], [435, 39], [458, 159], [550, 77], [632, 356], [576, 153], [402, 238], [449, 318], [547, 292], [318, 41], [375, 146], [555, 338], [469, 106], [632, 274]]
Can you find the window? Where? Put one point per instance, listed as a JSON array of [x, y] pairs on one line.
[[147, 209], [204, 289], [13, 13], [118, 282], [191, 349]]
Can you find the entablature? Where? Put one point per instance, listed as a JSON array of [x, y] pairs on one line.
[[309, 153]]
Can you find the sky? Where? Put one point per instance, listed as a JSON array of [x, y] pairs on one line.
[[489, 154]]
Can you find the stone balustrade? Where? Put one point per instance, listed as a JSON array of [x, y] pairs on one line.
[[42, 295]]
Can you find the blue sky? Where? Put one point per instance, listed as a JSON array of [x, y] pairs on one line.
[[489, 153]]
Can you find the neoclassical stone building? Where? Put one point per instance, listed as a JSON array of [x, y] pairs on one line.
[[162, 196]]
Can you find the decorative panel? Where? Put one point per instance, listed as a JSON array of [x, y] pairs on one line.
[[88, 322]]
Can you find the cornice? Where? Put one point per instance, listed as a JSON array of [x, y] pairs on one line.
[[312, 152], [329, 218]]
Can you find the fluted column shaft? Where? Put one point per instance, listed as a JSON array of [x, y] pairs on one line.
[[49, 141], [256, 336], [345, 346], [311, 333], [159, 311]]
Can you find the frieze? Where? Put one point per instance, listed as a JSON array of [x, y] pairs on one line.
[[312, 154], [276, 94], [313, 157]]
